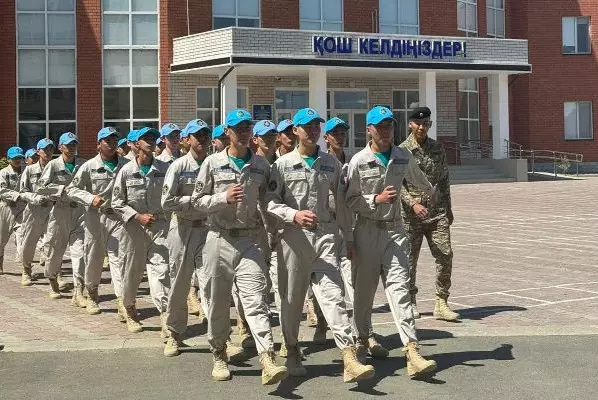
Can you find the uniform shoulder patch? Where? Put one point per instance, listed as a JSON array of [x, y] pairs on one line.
[[76, 181], [2, 185], [165, 189], [198, 186]]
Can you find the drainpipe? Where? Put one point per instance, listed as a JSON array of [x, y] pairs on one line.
[[220, 80]]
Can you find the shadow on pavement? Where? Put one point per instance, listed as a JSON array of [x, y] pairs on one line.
[[467, 358], [478, 313]]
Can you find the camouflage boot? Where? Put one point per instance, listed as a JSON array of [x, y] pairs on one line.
[[54, 289], [416, 314], [245, 337], [78, 299], [133, 324], [416, 364], [93, 299], [355, 371], [443, 312], [121, 313], [173, 345], [294, 362], [320, 332], [272, 373], [220, 370], [26, 277], [193, 306]]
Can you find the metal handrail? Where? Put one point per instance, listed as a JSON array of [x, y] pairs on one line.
[[556, 156], [483, 149]]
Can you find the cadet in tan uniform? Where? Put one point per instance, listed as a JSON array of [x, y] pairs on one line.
[[219, 139], [92, 188], [188, 229], [131, 154], [376, 174], [31, 157], [123, 147], [230, 187], [37, 211], [170, 134], [298, 192], [136, 199], [11, 204], [65, 224], [422, 218]]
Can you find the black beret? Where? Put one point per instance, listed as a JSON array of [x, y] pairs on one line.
[[420, 113]]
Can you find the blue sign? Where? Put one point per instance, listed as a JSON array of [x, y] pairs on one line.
[[394, 48], [262, 111]]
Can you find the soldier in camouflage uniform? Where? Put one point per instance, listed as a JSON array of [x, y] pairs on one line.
[[421, 218]]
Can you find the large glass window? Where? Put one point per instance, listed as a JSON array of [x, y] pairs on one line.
[[467, 17], [325, 15], [469, 110], [130, 64], [207, 103], [403, 102], [236, 13], [495, 18], [576, 35], [46, 69], [578, 120], [350, 106], [399, 16], [287, 101]]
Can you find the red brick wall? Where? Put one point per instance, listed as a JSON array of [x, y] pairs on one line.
[[357, 15], [200, 15], [89, 74], [438, 18], [8, 77], [556, 78], [280, 14]]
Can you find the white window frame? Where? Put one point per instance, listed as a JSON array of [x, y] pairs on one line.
[[322, 21], [237, 16], [279, 111], [404, 111], [491, 8], [332, 111], [46, 47], [399, 25], [130, 48], [469, 118], [471, 3], [214, 109], [576, 18], [577, 103]]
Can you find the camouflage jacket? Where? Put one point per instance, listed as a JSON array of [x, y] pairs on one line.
[[432, 161]]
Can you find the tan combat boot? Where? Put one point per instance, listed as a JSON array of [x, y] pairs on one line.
[[78, 299], [173, 345], [201, 315], [283, 348], [121, 313], [62, 283], [294, 362], [164, 331], [54, 289], [91, 304], [272, 373], [26, 277], [416, 364], [245, 337], [193, 305], [320, 332], [416, 314], [42, 257], [232, 350], [220, 370], [133, 324], [312, 318], [443, 312], [355, 371]]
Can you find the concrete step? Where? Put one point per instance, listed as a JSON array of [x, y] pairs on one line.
[[469, 167], [463, 174], [481, 180], [472, 174]]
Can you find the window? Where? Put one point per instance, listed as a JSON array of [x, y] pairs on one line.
[[289, 101], [576, 35], [46, 70], [469, 110], [403, 102], [495, 18], [321, 15], [207, 103], [467, 17], [399, 16], [130, 64], [236, 13], [351, 106], [578, 120]]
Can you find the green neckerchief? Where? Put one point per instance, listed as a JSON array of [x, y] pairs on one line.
[[70, 166], [384, 157], [240, 162], [311, 159], [111, 165], [144, 169]]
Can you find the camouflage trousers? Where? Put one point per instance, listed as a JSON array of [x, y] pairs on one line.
[[438, 235]]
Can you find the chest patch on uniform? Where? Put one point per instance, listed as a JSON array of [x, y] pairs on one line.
[[372, 164], [3, 185], [159, 175], [370, 172], [198, 186], [400, 161], [135, 182], [256, 171], [295, 175], [76, 181], [188, 174], [225, 176]]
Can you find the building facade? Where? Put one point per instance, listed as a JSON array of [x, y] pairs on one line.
[[80, 65]]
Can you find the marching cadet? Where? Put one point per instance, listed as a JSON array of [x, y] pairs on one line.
[[188, 229], [423, 218], [170, 135], [298, 192], [376, 174], [286, 138], [123, 147], [160, 146], [230, 187], [11, 204], [219, 139], [92, 188], [31, 157], [131, 154], [136, 199], [65, 223], [37, 211]]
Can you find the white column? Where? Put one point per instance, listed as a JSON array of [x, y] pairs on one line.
[[317, 96], [499, 111], [427, 98], [228, 94]]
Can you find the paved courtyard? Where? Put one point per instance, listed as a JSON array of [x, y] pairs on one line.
[[525, 264]]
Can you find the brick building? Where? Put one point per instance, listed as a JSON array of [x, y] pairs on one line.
[[80, 65]]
